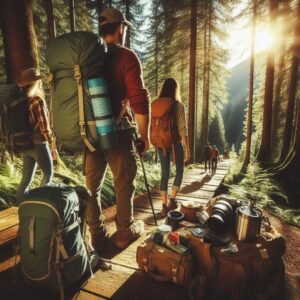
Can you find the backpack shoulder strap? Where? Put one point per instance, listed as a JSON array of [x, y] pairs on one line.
[[77, 76]]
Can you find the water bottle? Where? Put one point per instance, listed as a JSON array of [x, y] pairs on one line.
[[105, 124]]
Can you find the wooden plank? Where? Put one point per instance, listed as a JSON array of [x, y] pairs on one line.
[[8, 222], [9, 211], [123, 283], [8, 236], [82, 295]]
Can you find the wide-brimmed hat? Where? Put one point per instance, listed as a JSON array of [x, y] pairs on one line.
[[29, 76], [112, 15]]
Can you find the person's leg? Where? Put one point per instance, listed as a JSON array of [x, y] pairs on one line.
[[45, 162], [205, 164], [95, 168], [28, 171], [179, 174], [122, 162], [165, 163]]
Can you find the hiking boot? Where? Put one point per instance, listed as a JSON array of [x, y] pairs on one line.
[[125, 237], [164, 210], [99, 238], [172, 204]]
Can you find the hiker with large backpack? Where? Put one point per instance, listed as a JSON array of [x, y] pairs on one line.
[[126, 89], [38, 153], [169, 135]]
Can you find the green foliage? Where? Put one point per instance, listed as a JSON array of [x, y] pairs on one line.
[[270, 195], [217, 132]]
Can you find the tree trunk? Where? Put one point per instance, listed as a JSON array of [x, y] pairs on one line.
[[276, 123], [19, 38], [127, 14], [251, 86], [48, 6], [204, 121], [72, 15], [156, 49], [288, 129], [99, 8], [265, 147], [192, 85]]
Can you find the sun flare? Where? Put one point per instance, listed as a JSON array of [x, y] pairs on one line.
[[263, 40]]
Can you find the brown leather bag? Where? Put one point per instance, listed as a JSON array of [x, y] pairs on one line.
[[163, 264], [255, 272]]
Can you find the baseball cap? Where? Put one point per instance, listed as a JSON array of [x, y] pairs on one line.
[[112, 15]]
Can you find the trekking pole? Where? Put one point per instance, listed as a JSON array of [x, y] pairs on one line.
[[136, 139]]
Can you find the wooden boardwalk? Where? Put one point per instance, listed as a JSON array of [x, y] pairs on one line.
[[124, 280]]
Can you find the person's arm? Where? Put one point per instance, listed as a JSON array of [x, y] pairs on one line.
[[183, 131], [44, 125], [42, 119], [143, 126], [137, 94]]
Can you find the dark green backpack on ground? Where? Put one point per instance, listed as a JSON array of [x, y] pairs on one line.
[[15, 129], [73, 58], [52, 251]]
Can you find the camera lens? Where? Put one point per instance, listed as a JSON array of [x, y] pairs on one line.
[[222, 214]]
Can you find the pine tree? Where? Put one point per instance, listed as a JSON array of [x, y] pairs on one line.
[[251, 88], [265, 148]]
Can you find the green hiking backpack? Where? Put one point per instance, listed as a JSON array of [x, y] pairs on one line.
[[15, 129], [52, 251], [73, 58]]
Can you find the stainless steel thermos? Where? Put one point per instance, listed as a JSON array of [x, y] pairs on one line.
[[248, 222]]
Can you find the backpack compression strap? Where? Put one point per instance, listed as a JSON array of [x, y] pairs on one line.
[[77, 76]]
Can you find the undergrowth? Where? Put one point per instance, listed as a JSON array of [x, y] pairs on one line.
[[69, 171], [269, 193]]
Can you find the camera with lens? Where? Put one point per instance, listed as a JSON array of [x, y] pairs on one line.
[[222, 216]]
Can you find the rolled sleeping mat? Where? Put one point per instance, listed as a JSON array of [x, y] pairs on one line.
[[105, 124]]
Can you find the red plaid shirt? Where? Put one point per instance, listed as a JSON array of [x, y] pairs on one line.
[[39, 120]]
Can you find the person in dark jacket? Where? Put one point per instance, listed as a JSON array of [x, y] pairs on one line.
[[215, 158], [207, 160]]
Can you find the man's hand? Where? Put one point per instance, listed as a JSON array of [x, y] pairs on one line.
[[142, 146], [143, 126]]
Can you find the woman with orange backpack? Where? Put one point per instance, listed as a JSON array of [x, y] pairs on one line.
[[39, 152], [169, 136]]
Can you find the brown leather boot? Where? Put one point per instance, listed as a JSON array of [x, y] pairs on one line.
[[99, 236], [172, 204], [164, 210], [125, 237]]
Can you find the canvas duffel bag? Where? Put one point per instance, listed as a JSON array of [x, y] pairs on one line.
[[163, 264], [256, 271]]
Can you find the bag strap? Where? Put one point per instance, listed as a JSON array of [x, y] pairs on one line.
[[78, 79], [57, 268]]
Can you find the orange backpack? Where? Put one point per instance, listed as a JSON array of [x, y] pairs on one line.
[[163, 128]]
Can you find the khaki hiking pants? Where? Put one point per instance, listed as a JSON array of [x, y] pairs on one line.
[[122, 162]]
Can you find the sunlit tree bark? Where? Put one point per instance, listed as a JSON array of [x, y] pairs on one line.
[[292, 88], [251, 86], [19, 38], [265, 147], [192, 85]]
